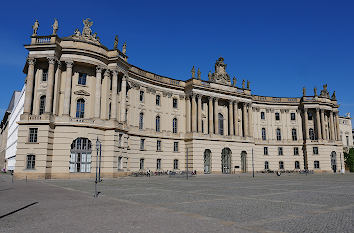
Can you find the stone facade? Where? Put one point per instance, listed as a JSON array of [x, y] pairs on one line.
[[77, 89], [346, 132]]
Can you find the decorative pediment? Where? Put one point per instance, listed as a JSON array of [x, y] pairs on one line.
[[220, 75], [86, 34], [82, 92]]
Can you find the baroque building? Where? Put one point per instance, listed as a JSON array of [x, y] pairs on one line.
[[78, 90]]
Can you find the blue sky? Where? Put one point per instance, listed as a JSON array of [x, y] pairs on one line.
[[280, 46]]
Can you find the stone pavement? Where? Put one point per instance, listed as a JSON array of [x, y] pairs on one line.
[[209, 203]]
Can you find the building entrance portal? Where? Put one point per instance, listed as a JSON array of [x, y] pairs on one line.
[[244, 161], [226, 161], [207, 155], [334, 161]]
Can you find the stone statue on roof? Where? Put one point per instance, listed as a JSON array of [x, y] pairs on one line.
[[334, 96], [243, 84], [315, 91], [193, 72], [220, 75], [234, 81], [86, 34], [55, 26], [124, 48], [248, 84], [35, 28], [209, 75], [304, 91], [115, 45], [199, 74], [324, 92]]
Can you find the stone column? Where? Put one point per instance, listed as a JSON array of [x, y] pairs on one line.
[[98, 91], [331, 125], [337, 126], [216, 117], [67, 91], [231, 122], [50, 85], [29, 86], [306, 124], [318, 121], [244, 120], [250, 120], [188, 113], [324, 136], [199, 98], [236, 118], [124, 98], [194, 114], [104, 96], [114, 95], [211, 113]]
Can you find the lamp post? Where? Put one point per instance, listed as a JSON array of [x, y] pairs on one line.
[[252, 164], [98, 147], [187, 163]]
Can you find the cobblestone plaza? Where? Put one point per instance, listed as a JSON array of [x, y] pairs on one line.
[[210, 203]]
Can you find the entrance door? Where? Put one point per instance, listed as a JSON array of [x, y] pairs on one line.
[[334, 161], [207, 161], [244, 161], [226, 161]]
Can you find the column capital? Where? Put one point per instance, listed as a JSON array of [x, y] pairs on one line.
[[51, 60], [305, 109], [107, 72], [69, 64], [235, 101], [115, 71], [99, 69], [317, 109], [215, 98], [31, 61], [125, 77]]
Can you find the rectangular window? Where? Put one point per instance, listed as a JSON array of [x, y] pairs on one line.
[[158, 100], [264, 135], [120, 163], [347, 137], [158, 145], [315, 150], [292, 116], [316, 164], [141, 98], [280, 150], [175, 146], [82, 79], [296, 150], [33, 134], [120, 139], [281, 165], [80, 162], [309, 116], [45, 75], [277, 116], [142, 144], [175, 103], [265, 150], [175, 164], [262, 116], [141, 164], [158, 164], [31, 161]]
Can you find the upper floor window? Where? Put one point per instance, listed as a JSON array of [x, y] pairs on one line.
[[158, 100], [312, 134], [281, 165], [31, 161], [45, 75], [175, 103], [141, 96], [80, 108], [141, 120], [264, 136], [142, 144], [277, 116], [315, 150], [42, 104], [278, 133], [221, 123], [158, 164], [33, 132], [158, 145], [309, 116], [82, 79], [157, 123], [292, 116], [294, 134], [175, 146], [141, 164], [265, 150], [174, 125], [280, 150], [262, 115]]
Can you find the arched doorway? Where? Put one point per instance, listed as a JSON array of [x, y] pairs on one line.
[[244, 161], [334, 161], [80, 155], [226, 161], [207, 165]]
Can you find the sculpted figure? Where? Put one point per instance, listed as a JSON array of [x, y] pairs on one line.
[[304, 91], [55, 26], [193, 72], [35, 28], [115, 45], [248, 84], [243, 84], [86, 31], [124, 49], [234, 79], [209, 75], [334, 95], [77, 32], [315, 91], [199, 74]]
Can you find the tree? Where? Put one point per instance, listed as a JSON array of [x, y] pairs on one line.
[[349, 159]]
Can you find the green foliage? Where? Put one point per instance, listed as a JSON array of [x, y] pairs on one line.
[[349, 159]]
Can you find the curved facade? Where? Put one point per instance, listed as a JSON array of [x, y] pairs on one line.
[[77, 90]]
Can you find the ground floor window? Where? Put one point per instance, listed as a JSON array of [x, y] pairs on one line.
[[175, 164], [120, 163], [265, 150], [31, 161], [175, 146], [141, 164], [281, 165], [280, 150], [296, 150], [297, 165], [316, 164], [266, 165], [80, 162], [158, 164]]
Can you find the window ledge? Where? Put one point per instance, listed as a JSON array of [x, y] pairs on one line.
[[32, 143]]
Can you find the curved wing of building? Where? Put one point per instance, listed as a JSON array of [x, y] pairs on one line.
[[77, 90]]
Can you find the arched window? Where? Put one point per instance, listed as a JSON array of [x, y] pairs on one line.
[[141, 120], [42, 104], [294, 134], [297, 165], [278, 134], [221, 123], [80, 108], [312, 134], [80, 157], [157, 123], [266, 165], [264, 136], [174, 125]]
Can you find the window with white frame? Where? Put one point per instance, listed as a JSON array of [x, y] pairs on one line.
[[141, 120], [42, 100], [80, 108], [221, 123], [157, 123], [175, 164], [82, 79], [45, 75], [31, 161], [80, 155], [33, 134], [174, 125]]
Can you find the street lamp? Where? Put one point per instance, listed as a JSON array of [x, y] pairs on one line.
[[98, 165]]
